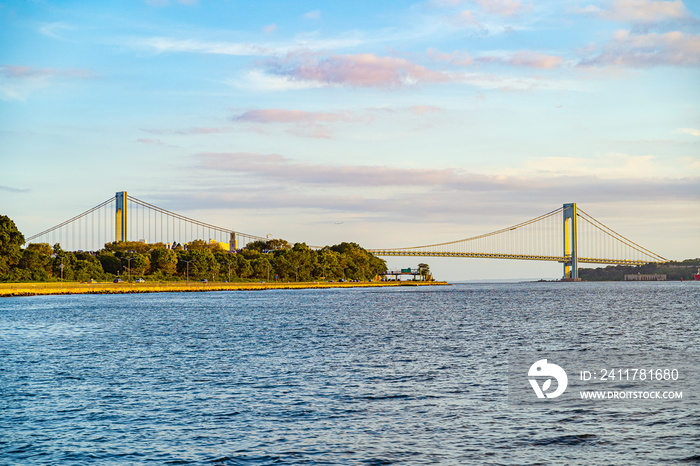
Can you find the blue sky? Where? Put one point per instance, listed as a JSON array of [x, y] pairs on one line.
[[409, 122]]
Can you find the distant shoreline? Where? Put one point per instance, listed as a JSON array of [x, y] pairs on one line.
[[39, 289]]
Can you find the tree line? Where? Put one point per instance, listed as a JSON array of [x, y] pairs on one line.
[[273, 259], [683, 270]]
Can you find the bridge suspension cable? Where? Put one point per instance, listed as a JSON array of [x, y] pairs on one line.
[[603, 245], [92, 229], [568, 235], [539, 238], [548, 237]]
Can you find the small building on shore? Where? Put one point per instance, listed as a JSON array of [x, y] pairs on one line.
[[655, 277]]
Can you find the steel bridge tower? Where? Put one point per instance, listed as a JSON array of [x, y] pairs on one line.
[[570, 240], [120, 220]]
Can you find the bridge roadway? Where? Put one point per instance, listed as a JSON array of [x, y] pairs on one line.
[[588, 260]]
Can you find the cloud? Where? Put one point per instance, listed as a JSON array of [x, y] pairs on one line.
[[259, 80], [10, 189], [531, 176], [154, 142], [466, 18], [29, 72], [537, 60], [648, 50], [53, 29], [606, 166], [278, 115], [503, 7], [18, 82], [279, 167], [315, 14], [523, 59], [458, 58], [398, 194], [164, 44], [424, 109], [298, 122], [642, 11], [361, 70], [691, 131], [269, 29], [188, 131]]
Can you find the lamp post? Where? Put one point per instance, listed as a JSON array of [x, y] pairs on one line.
[[268, 271], [62, 266], [128, 272], [187, 270]]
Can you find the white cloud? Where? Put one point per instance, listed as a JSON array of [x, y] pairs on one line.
[[691, 131], [607, 167]]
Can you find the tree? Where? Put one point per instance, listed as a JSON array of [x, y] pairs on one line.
[[424, 270], [329, 263], [120, 248], [360, 262], [11, 241], [261, 267], [110, 263], [202, 264], [269, 245], [243, 267], [36, 259], [227, 263], [87, 267], [163, 261]]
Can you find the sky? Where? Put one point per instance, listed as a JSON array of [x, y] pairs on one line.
[[390, 124]]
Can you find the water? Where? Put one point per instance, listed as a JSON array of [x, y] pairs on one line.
[[356, 376]]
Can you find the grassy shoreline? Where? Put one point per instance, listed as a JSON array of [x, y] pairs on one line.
[[37, 289]]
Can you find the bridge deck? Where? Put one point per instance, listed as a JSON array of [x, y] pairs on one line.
[[588, 260]]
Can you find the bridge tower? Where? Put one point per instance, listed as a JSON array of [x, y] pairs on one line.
[[570, 237], [120, 220]]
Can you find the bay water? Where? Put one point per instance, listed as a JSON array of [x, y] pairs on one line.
[[400, 375]]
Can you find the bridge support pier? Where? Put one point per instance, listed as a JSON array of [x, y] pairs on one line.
[[570, 240], [232, 243], [120, 219]]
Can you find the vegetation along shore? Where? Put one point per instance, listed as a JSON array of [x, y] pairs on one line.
[[138, 267]]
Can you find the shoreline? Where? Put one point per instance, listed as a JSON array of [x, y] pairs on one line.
[[8, 290]]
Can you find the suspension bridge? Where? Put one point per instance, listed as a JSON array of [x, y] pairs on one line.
[[567, 235]]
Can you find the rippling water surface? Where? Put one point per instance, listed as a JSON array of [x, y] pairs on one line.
[[348, 376]]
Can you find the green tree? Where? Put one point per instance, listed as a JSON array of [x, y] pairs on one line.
[[361, 263], [329, 264], [424, 270], [261, 268], [110, 263], [243, 268], [268, 246], [36, 258], [11, 241], [139, 264], [226, 261], [65, 259], [87, 267], [120, 248], [163, 261], [202, 264]]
